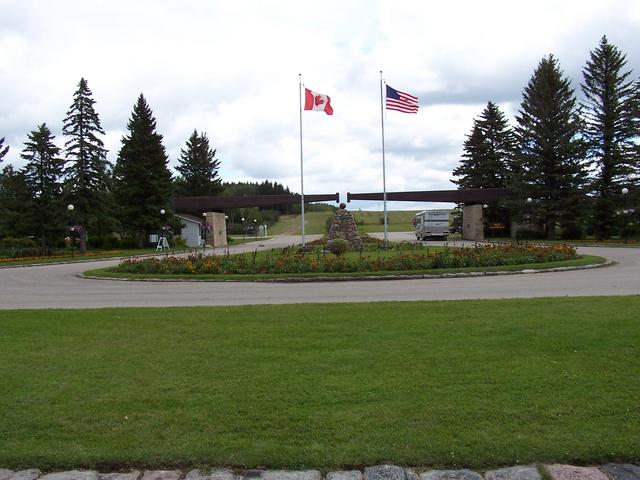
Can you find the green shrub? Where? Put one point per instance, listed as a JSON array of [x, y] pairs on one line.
[[338, 246], [15, 247]]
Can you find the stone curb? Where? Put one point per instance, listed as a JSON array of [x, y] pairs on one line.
[[362, 278], [609, 471]]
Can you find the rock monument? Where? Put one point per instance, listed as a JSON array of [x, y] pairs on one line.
[[343, 226]]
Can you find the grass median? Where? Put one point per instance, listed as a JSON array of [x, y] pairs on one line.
[[443, 384]]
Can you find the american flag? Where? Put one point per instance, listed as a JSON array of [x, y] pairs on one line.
[[401, 101]]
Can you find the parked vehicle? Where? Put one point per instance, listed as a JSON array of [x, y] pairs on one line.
[[432, 223]]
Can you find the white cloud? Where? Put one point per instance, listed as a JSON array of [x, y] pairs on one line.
[[231, 69]]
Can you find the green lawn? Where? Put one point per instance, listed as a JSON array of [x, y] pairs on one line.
[[397, 221], [438, 384], [368, 222]]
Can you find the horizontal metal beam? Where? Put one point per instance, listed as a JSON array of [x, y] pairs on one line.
[[479, 195], [222, 203]]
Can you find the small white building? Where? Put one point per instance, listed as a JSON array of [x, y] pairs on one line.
[[191, 230]]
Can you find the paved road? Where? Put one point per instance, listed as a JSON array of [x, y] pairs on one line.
[[57, 286]]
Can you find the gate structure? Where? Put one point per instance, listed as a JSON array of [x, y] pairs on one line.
[[472, 199], [214, 219]]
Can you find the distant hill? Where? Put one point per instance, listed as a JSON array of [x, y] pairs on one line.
[[315, 222]]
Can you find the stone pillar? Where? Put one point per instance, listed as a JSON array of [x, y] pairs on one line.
[[217, 234], [472, 226]]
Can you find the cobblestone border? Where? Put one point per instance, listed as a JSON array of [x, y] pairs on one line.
[[609, 471]]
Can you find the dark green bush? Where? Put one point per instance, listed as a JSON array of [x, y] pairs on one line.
[[338, 246]]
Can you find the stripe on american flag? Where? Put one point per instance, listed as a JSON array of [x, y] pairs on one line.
[[401, 101]]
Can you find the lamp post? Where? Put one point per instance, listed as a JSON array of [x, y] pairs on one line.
[[226, 240], [625, 211], [70, 207], [161, 239], [255, 228], [243, 229], [204, 231], [529, 201]]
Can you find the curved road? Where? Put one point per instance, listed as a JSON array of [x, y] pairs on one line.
[[58, 286]]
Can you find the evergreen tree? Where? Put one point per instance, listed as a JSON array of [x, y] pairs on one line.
[[16, 204], [549, 162], [87, 168], [43, 172], [198, 168], [488, 152], [487, 158], [3, 149], [611, 127], [143, 184]]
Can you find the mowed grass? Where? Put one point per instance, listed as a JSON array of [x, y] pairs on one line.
[[397, 221], [368, 222], [438, 384]]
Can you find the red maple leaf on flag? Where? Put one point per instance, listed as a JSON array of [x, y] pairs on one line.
[[319, 100]]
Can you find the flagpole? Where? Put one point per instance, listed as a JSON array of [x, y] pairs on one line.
[[384, 170], [301, 163]]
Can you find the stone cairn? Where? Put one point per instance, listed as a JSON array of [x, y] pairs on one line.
[[343, 226]]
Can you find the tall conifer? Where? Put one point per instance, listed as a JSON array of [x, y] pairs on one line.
[[611, 127], [43, 172], [143, 180], [198, 168], [487, 158], [87, 168], [488, 151], [551, 151]]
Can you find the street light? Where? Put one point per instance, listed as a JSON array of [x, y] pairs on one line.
[[255, 228], [226, 240], [529, 200], [625, 211], [204, 231], [243, 229], [161, 240], [70, 207]]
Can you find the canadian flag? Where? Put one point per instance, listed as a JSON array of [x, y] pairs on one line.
[[317, 101]]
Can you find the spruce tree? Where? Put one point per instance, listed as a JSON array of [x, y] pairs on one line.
[[488, 151], [551, 151], [487, 158], [198, 168], [16, 204], [87, 168], [611, 127], [143, 183], [3, 149], [43, 172]]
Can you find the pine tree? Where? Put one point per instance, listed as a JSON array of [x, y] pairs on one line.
[[16, 204], [487, 158], [143, 181], [611, 127], [198, 168], [549, 160], [488, 152], [3, 149], [43, 172], [87, 168]]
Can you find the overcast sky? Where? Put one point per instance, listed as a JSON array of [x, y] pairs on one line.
[[230, 69]]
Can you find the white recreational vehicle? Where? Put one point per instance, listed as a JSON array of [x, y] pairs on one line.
[[432, 223]]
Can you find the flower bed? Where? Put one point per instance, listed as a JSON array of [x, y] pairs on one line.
[[292, 261]]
